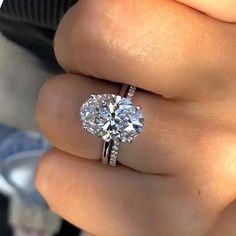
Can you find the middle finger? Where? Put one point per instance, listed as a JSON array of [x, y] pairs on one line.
[[160, 46]]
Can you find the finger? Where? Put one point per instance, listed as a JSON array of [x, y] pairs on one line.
[[222, 10], [58, 116], [161, 46], [86, 193], [170, 128]]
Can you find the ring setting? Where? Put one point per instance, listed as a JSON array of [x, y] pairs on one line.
[[113, 118]]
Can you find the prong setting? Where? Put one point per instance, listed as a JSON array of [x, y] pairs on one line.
[[113, 118]]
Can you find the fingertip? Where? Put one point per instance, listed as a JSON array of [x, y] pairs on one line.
[[44, 173]]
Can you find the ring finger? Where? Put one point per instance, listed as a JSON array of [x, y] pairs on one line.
[[162, 146]]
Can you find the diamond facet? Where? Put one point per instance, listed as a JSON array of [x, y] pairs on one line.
[[112, 117]]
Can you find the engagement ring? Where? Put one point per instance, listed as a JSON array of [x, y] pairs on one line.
[[113, 118]]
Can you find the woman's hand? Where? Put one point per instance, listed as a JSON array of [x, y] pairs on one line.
[[179, 176]]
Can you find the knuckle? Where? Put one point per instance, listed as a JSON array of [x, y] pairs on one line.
[[97, 29]]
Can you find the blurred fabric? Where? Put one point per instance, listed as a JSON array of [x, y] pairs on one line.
[[21, 77], [19, 153], [26, 61], [26, 55], [42, 13], [32, 24]]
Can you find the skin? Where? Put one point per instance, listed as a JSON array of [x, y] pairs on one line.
[[178, 177], [222, 10]]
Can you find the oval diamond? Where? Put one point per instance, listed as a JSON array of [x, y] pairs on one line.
[[112, 117]]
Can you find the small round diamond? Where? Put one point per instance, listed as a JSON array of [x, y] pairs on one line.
[[112, 117]]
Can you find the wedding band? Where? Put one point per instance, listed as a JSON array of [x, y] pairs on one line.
[[114, 118]]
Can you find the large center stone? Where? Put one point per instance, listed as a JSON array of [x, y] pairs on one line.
[[112, 117]]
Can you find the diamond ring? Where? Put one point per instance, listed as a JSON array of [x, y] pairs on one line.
[[113, 118]]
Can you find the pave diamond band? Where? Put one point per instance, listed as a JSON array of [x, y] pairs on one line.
[[112, 158], [114, 118]]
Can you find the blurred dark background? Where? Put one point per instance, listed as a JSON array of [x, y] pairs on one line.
[[27, 28]]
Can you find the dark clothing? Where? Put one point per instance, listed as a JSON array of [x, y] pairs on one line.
[[32, 24], [42, 13]]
